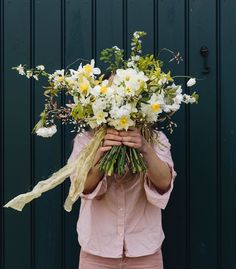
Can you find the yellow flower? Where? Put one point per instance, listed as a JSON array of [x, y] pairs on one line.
[[124, 122], [103, 89], [84, 86], [88, 69], [60, 79], [155, 107]]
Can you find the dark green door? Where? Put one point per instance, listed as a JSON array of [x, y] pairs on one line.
[[199, 221]]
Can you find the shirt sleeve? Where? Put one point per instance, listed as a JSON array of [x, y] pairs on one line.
[[163, 151], [79, 142]]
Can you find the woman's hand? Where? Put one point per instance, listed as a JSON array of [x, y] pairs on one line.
[[112, 138], [133, 138], [157, 170]]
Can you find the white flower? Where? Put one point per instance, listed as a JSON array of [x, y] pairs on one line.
[[40, 67], [128, 81], [35, 77], [102, 89], [29, 73], [188, 99], [125, 110], [123, 123], [153, 108], [84, 86], [90, 70], [100, 117], [136, 34], [191, 82], [20, 70], [116, 48], [47, 131]]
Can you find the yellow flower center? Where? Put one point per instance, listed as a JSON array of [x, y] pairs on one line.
[[155, 107], [84, 87], [123, 121], [60, 79], [127, 78], [88, 69], [103, 89], [128, 90], [100, 115]]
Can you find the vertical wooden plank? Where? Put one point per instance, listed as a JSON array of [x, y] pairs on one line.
[[48, 236], [109, 26], [228, 131], [137, 10], [2, 243], [78, 44], [171, 16], [203, 139], [16, 118]]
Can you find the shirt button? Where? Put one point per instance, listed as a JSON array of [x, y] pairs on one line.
[[120, 234]]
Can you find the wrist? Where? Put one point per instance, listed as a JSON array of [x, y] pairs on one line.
[[145, 149]]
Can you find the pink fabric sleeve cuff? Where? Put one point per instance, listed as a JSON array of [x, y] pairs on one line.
[[153, 196], [164, 153], [100, 189]]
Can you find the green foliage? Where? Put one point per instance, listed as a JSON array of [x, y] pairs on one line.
[[196, 96], [78, 112], [41, 122], [136, 43], [113, 57]]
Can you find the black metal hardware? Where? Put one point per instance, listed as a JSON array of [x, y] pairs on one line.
[[204, 51]]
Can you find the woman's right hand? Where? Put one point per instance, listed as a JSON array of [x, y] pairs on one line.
[[112, 138]]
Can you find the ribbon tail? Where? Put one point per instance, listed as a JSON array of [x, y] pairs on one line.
[[56, 179], [84, 164]]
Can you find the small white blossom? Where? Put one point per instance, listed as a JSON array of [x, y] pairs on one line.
[[136, 35], [188, 99], [29, 73], [20, 70], [35, 77], [116, 48], [191, 82], [40, 67], [47, 131]]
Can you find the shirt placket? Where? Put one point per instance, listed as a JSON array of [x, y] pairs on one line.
[[121, 215]]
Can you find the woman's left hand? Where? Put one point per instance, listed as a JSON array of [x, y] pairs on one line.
[[133, 138]]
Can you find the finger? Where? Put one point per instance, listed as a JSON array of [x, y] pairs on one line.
[[113, 137], [112, 143], [129, 133], [131, 144], [104, 149], [112, 131], [133, 139]]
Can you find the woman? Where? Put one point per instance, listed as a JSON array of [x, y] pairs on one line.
[[119, 225]]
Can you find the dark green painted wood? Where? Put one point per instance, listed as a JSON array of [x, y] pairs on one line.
[[17, 236], [135, 11], [203, 138], [47, 153], [78, 45], [175, 216], [199, 220], [227, 132], [109, 20]]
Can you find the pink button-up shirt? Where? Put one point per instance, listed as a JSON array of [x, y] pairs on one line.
[[123, 216]]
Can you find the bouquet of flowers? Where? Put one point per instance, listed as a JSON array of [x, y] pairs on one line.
[[136, 93]]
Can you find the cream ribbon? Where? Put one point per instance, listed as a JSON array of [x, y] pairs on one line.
[[78, 167]]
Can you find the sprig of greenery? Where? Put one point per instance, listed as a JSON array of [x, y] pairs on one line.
[[136, 42], [114, 57]]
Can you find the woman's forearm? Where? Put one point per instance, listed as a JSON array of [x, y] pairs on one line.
[[93, 178], [157, 170]]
